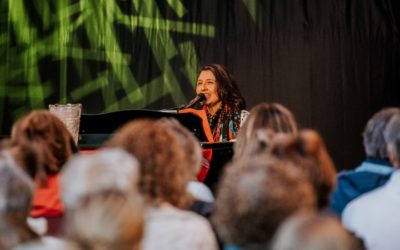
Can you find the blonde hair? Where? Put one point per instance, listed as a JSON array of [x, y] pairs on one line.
[[265, 116]]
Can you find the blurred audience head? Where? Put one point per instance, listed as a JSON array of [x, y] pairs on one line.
[[307, 152], [373, 136], [272, 117], [163, 170], [25, 156], [106, 220], [48, 135], [392, 137], [190, 144], [16, 193], [308, 231], [104, 209], [107, 169], [255, 197]]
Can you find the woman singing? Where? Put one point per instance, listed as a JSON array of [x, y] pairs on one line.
[[223, 101]]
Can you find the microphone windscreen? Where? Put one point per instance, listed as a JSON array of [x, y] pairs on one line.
[[201, 97], [197, 101]]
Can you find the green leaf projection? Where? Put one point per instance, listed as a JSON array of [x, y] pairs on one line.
[[106, 54]]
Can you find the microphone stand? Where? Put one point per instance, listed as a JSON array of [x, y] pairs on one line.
[[173, 109], [195, 103]]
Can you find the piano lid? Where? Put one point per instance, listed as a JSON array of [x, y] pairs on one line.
[[98, 127]]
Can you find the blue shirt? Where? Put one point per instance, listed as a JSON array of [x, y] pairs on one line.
[[351, 184]]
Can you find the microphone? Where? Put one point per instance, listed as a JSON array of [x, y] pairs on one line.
[[198, 101]]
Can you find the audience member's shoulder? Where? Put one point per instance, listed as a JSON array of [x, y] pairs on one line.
[[47, 243], [345, 173], [166, 224], [364, 202], [174, 215], [362, 179], [349, 177], [200, 191]]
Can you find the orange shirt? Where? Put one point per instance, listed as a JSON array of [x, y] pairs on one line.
[[47, 199]]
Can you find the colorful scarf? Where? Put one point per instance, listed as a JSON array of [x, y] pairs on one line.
[[225, 123]]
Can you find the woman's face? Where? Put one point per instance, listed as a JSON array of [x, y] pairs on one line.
[[207, 85]]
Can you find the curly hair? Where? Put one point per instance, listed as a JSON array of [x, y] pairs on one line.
[[163, 172], [265, 116], [228, 91], [190, 144], [48, 135], [255, 197]]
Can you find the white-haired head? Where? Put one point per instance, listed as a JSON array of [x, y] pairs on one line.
[[392, 137], [16, 193], [16, 188], [105, 170]]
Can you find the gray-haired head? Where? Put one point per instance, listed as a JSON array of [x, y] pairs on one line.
[[373, 135], [16, 193], [16, 188], [105, 170], [106, 220], [392, 137]]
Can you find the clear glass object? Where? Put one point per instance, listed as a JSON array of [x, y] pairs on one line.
[[70, 115]]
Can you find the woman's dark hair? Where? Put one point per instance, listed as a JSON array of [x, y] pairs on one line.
[[228, 90]]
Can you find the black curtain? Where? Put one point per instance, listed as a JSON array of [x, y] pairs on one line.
[[332, 62]]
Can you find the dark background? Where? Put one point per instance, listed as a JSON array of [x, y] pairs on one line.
[[332, 62]]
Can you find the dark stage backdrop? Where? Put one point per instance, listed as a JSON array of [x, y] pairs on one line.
[[332, 62]]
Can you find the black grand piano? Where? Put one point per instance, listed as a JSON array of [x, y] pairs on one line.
[[95, 129]]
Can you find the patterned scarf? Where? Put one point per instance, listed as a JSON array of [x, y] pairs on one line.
[[225, 123]]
